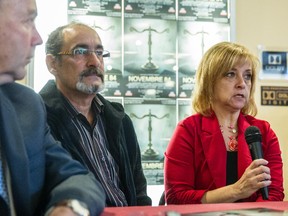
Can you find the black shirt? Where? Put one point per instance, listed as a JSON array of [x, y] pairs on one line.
[[231, 167]]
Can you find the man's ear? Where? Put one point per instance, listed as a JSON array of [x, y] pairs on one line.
[[51, 64]]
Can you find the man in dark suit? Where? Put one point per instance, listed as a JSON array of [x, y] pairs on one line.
[[37, 176]]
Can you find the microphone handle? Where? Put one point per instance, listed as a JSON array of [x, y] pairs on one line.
[[256, 150], [264, 192], [256, 153]]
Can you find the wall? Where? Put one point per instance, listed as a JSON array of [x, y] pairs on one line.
[[263, 22], [51, 14]]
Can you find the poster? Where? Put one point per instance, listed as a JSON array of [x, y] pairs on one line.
[[155, 48], [149, 66], [154, 124], [184, 108], [112, 8], [204, 10], [196, 39], [157, 9]]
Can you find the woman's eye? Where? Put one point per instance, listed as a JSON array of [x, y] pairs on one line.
[[230, 74], [248, 76]]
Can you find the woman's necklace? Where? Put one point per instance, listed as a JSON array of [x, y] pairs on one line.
[[232, 142]]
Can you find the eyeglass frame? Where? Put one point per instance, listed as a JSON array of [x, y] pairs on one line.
[[105, 53]]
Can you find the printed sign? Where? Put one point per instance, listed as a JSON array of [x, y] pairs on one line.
[[274, 62], [274, 95]]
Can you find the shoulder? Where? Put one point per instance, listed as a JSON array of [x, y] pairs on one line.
[[21, 96], [51, 95], [190, 124], [195, 119], [263, 125], [24, 104], [16, 90], [255, 121]]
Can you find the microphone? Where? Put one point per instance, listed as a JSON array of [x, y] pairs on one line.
[[254, 138]]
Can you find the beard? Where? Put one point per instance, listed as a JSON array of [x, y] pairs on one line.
[[90, 88]]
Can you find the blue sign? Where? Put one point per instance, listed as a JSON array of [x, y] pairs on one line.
[[274, 62]]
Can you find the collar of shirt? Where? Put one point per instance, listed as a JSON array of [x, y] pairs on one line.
[[97, 106]]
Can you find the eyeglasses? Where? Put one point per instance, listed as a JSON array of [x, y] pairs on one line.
[[81, 52]]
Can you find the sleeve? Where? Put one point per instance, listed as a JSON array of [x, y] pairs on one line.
[[179, 168], [67, 179]]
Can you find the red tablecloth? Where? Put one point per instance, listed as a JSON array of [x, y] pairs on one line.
[[160, 210]]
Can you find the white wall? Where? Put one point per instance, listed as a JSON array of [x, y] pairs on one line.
[[51, 14]]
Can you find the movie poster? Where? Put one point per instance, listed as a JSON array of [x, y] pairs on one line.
[[204, 10], [154, 124], [194, 40], [184, 108], [155, 47], [150, 66], [150, 9]]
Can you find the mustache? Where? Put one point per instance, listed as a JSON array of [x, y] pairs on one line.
[[92, 71]]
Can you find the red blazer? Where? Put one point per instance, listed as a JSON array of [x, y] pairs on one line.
[[195, 159]]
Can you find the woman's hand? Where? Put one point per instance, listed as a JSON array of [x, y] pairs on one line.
[[256, 176]]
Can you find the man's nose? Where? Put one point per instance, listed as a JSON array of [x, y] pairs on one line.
[[36, 40], [94, 60]]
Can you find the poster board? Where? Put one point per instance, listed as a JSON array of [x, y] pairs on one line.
[[155, 49]]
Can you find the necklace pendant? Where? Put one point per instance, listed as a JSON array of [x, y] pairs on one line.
[[232, 129], [233, 144]]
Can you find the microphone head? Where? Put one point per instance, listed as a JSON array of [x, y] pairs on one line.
[[253, 134]]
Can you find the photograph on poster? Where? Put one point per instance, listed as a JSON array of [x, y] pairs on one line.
[[184, 108], [150, 66], [194, 38], [154, 125]]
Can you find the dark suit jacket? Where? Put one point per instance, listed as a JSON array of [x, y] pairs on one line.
[[42, 173]]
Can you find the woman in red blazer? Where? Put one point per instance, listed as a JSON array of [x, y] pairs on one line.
[[208, 159]]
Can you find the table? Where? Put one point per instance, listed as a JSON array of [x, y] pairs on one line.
[[160, 210]]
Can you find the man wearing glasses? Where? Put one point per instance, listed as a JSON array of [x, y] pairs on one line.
[[95, 131]]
